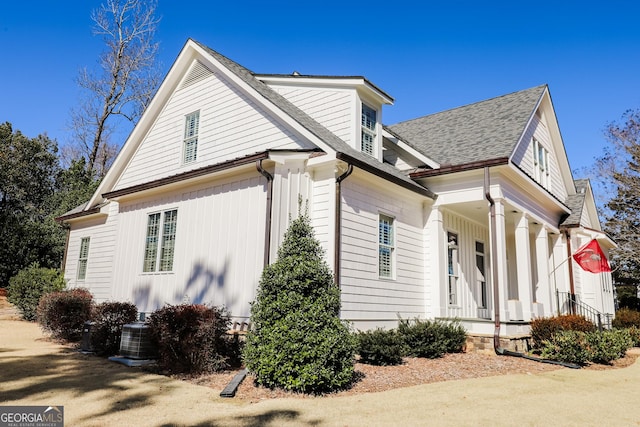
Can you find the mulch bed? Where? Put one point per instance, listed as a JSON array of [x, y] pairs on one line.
[[414, 371]]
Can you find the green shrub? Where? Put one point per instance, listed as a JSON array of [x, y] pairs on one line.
[[63, 313], [566, 346], [26, 288], [634, 333], [625, 318], [432, 338], [606, 346], [106, 331], [298, 341], [542, 329], [380, 347], [191, 338]]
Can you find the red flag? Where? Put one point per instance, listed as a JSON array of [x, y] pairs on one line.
[[591, 258]]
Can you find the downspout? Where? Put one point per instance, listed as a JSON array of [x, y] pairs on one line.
[[267, 226], [494, 262], [338, 225], [496, 292]]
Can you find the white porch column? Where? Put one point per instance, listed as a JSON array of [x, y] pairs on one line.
[[500, 251], [544, 286], [523, 264], [436, 294]]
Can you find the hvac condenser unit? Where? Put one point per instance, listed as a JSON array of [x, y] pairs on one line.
[[136, 342]]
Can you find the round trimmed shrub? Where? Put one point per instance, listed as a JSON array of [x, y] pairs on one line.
[[381, 347], [191, 338], [109, 318], [566, 346], [432, 338], [298, 341], [606, 346], [63, 313], [26, 288]]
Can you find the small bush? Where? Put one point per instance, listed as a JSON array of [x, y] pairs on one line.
[[26, 288], [109, 318], [626, 318], [191, 338], [566, 346], [380, 347], [604, 347], [542, 329], [432, 338], [63, 313], [634, 333]]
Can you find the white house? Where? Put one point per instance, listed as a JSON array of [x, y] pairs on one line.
[[429, 218]]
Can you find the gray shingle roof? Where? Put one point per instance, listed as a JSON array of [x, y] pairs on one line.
[[575, 202], [310, 124], [477, 132]]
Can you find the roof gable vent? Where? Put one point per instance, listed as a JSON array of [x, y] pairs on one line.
[[196, 73]]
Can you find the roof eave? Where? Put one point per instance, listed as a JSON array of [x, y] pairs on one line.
[[444, 170]]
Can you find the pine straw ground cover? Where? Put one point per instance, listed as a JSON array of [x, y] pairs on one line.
[[413, 371]]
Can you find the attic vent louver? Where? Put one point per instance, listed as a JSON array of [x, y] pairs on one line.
[[196, 73]]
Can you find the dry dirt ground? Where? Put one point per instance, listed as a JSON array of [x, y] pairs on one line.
[[460, 389]]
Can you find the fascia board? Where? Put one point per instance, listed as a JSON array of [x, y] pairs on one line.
[[404, 146]]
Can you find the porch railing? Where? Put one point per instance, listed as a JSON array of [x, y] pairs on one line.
[[568, 303]]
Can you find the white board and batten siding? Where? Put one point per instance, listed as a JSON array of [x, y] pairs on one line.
[[101, 232], [369, 301], [219, 247], [468, 290], [523, 156], [231, 125]]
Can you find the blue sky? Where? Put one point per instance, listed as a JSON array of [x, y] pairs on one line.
[[430, 56]]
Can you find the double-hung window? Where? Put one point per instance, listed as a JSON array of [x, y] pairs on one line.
[[83, 258], [386, 246], [191, 125], [540, 163], [160, 242], [369, 121], [452, 267]]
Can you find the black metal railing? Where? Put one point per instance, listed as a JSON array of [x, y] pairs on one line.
[[568, 303]]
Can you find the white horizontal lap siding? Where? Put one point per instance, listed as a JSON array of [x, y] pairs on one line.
[[331, 108], [219, 247], [469, 233], [99, 275], [366, 298], [231, 125]]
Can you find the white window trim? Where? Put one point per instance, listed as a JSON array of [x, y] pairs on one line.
[[370, 131], [453, 268], [190, 138], [390, 245], [83, 259], [154, 264], [482, 284], [540, 168]]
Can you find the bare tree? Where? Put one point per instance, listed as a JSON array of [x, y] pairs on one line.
[[124, 82], [620, 166]]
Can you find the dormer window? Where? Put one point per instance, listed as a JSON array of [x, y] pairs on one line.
[[540, 163], [191, 125], [369, 122]]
